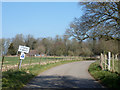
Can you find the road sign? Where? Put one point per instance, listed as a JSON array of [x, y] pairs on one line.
[[23, 49], [22, 56]]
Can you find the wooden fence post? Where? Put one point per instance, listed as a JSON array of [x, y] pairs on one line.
[[113, 70], [2, 62], [101, 61], [105, 57], [116, 57], [40, 60], [109, 58], [30, 60]]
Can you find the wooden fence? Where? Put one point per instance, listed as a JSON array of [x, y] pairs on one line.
[[110, 62]]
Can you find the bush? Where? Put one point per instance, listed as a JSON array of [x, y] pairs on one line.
[[109, 79]]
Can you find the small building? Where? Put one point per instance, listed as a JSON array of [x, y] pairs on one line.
[[33, 53], [43, 55]]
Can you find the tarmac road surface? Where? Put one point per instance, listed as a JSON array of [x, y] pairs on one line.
[[71, 75]]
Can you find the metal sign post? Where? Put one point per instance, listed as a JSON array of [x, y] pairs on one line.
[[22, 56], [20, 63], [23, 50]]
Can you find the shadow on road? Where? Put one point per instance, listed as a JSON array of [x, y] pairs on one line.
[[62, 82]]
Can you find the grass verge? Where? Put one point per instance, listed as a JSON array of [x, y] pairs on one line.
[[108, 79], [16, 79]]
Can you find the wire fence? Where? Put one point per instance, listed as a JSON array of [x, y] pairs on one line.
[[13, 62], [110, 62]]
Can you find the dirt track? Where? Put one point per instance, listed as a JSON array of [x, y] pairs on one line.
[[71, 75]]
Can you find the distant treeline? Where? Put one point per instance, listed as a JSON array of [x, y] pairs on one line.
[[59, 46]]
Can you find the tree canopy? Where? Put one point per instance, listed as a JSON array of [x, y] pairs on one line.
[[99, 19]]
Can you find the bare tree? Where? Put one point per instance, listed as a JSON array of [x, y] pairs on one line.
[[18, 40], [99, 19], [4, 45]]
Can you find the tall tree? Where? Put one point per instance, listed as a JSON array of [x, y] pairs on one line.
[[11, 50], [99, 19], [30, 41], [18, 40]]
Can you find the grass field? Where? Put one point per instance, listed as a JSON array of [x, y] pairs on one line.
[[27, 60], [13, 62]]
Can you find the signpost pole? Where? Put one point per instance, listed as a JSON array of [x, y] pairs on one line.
[[22, 56], [20, 63]]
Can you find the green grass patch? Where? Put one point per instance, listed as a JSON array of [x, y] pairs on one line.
[[18, 78], [29, 60], [15, 79], [108, 79]]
